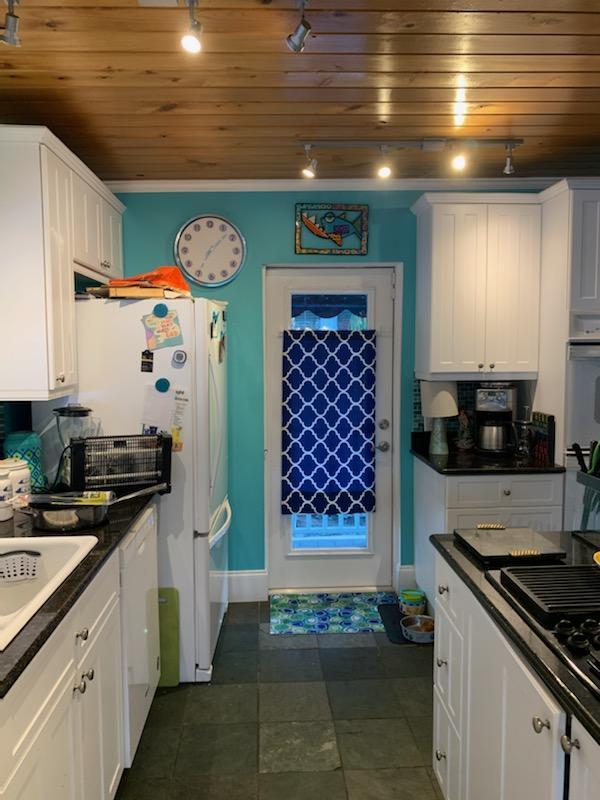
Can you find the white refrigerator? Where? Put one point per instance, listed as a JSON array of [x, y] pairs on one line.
[[163, 363]]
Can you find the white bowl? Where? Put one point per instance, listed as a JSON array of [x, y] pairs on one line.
[[411, 625]]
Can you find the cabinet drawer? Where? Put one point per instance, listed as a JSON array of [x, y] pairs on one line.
[[446, 752], [475, 491], [94, 605], [450, 592], [448, 664], [547, 518]]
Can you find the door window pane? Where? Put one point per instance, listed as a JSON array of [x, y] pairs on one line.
[[329, 312]]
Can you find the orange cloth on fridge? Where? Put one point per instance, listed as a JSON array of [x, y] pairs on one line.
[[162, 277]]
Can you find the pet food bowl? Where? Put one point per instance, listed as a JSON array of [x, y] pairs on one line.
[[418, 628]]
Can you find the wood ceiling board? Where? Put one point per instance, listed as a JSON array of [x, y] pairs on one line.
[[109, 78]]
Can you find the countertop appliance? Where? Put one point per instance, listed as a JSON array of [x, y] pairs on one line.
[[139, 625], [561, 603], [495, 407], [164, 363]]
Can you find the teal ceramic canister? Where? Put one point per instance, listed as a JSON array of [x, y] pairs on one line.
[[28, 446]]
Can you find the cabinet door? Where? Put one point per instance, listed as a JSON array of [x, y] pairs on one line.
[[48, 771], [532, 758], [111, 261], [60, 297], [100, 709], [446, 758], [458, 288], [584, 773], [448, 664], [585, 252], [87, 211], [513, 288]]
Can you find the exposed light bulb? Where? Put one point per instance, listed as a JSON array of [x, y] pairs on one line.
[[190, 41], [459, 162], [296, 41], [509, 166], [384, 171], [10, 36], [309, 170]]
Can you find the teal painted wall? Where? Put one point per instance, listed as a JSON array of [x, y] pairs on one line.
[[266, 219]]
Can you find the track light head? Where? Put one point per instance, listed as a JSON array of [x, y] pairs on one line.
[[459, 162], [309, 170], [10, 36], [297, 40], [190, 41], [509, 166], [384, 170]]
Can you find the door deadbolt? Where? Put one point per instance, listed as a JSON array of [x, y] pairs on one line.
[[384, 424]]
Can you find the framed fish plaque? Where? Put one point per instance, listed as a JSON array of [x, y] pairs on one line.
[[338, 229]]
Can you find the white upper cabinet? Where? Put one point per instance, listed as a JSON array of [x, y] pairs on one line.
[[585, 252], [53, 212], [478, 286]]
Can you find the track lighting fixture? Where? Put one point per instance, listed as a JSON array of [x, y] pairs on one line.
[[309, 170], [296, 40], [384, 170], [459, 162], [10, 36], [509, 166], [190, 41]]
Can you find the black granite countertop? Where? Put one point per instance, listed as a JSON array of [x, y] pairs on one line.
[[471, 462], [564, 684], [18, 654]]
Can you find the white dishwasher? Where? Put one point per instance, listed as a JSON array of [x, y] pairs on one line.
[[139, 625]]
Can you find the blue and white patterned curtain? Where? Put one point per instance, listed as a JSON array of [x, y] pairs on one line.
[[328, 422]]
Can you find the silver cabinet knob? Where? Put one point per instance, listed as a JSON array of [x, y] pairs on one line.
[[439, 754], [383, 447], [80, 687], [492, 366], [89, 674], [480, 366], [507, 492], [83, 634], [384, 424], [441, 662], [539, 724], [60, 378], [442, 589], [568, 745]]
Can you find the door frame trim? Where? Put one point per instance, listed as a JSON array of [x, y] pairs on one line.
[[397, 268]]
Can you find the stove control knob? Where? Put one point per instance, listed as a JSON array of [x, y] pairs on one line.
[[578, 643], [564, 628], [590, 627], [596, 642]]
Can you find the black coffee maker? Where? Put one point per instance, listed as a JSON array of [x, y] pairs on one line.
[[495, 408]]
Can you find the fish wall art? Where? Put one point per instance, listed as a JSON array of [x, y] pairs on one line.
[[332, 228]]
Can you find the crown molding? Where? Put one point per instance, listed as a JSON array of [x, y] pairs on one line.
[[342, 184]]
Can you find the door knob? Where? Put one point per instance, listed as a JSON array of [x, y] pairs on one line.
[[89, 674], [439, 754], [492, 366], [83, 634], [383, 447], [480, 365], [568, 745], [539, 724], [81, 687], [441, 662], [384, 424], [442, 589]]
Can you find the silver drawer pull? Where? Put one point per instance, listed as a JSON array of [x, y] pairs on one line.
[[442, 589], [568, 745], [507, 492], [89, 674], [439, 754], [441, 662], [81, 687], [539, 724], [83, 634]]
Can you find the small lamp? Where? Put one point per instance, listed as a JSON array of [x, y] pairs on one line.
[[438, 400]]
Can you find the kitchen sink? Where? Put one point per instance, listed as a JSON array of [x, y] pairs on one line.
[[58, 557]]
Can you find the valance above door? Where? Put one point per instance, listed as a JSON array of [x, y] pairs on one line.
[[328, 422]]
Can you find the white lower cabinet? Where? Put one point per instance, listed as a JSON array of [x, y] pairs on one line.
[[498, 734], [61, 733], [584, 775]]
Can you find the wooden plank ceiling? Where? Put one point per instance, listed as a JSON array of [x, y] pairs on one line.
[[110, 79]]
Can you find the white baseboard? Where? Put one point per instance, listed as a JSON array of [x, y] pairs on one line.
[[405, 577], [248, 586]]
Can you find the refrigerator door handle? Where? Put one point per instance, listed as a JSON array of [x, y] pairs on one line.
[[225, 526], [198, 535]]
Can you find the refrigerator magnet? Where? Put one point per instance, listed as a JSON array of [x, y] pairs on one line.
[[147, 361], [162, 331]]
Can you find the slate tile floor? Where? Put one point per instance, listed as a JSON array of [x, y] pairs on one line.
[[329, 717]]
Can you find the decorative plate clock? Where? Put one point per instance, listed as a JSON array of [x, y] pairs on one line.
[[210, 250]]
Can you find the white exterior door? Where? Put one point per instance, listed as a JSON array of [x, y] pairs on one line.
[[317, 551]]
